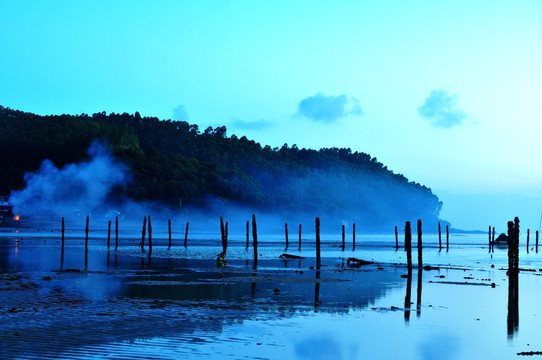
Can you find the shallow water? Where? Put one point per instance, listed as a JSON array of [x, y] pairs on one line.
[[177, 304]]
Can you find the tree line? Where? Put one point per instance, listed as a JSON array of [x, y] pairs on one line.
[[174, 162]]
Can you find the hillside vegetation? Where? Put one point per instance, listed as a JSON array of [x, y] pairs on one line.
[[171, 161]]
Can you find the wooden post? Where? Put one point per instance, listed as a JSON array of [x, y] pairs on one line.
[[286, 234], [143, 231], [62, 248], [528, 233], [226, 236], [222, 234], [150, 235], [354, 236], [169, 232], [108, 234], [511, 239], [343, 238], [318, 259], [439, 237], [489, 236], [408, 246], [186, 234], [248, 225], [116, 232], [396, 240], [86, 243], [420, 244], [299, 237], [447, 238], [255, 240], [537, 241]]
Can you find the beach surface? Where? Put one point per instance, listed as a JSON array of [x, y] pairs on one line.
[[177, 304]]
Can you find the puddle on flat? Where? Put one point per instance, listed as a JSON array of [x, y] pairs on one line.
[[177, 304]]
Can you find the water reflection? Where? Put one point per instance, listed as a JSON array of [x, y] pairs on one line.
[[513, 304], [408, 295], [419, 294]]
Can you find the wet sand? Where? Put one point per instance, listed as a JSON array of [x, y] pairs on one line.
[[176, 304]]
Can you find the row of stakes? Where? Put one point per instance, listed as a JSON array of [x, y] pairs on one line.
[[147, 229]]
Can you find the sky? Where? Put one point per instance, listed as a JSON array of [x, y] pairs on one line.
[[447, 93]]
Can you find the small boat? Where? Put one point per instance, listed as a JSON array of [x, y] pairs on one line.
[[502, 239]]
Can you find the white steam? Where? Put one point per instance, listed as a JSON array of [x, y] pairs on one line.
[[83, 187]]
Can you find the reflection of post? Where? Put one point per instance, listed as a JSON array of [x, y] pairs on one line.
[[419, 293], [253, 289], [62, 248], [513, 305], [536, 241], [408, 296], [317, 292]]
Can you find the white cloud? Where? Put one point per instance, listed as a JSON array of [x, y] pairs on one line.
[[440, 108], [329, 108]]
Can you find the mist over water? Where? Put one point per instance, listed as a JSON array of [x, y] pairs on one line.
[[88, 188]]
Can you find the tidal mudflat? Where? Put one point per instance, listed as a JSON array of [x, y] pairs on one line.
[[177, 304]]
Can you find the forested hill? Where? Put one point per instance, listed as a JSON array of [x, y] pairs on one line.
[[172, 160]]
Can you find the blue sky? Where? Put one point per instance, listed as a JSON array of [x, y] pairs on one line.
[[447, 93]]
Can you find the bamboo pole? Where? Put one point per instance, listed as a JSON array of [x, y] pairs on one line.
[[420, 247], [408, 246], [343, 238], [286, 234], [439, 237], [86, 243], [62, 248], [169, 232], [255, 240], [318, 259], [186, 234], [143, 232], [150, 235], [108, 234], [354, 236], [116, 233]]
